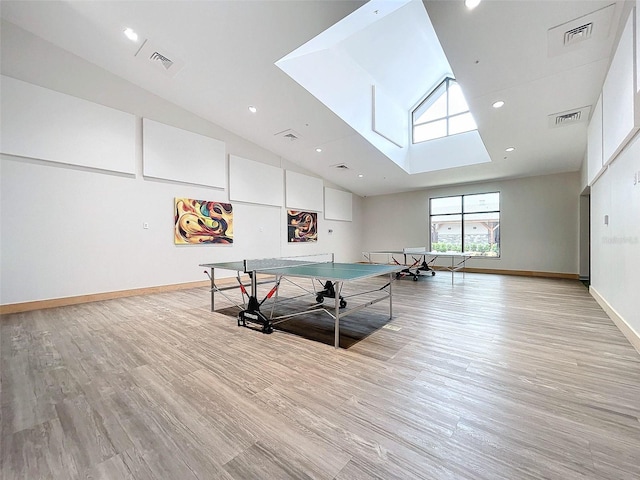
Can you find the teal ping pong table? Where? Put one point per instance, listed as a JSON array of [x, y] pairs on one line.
[[320, 269], [422, 261]]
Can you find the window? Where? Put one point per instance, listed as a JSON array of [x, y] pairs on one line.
[[444, 112], [466, 223]]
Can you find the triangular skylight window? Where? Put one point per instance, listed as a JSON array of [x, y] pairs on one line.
[[371, 69], [443, 113]]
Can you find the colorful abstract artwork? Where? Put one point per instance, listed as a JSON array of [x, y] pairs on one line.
[[199, 221], [302, 226]]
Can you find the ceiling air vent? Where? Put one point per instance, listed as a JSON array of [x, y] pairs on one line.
[[341, 166], [160, 58], [590, 30], [289, 135], [569, 117], [578, 34]]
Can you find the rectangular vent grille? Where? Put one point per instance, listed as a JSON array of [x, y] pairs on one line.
[[569, 117], [165, 62], [578, 34], [590, 29], [341, 166], [289, 135], [157, 57]]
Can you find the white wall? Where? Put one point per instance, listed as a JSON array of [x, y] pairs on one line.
[[615, 248], [67, 231], [539, 222], [615, 193]]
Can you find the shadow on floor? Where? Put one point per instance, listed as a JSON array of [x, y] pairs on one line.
[[319, 326]]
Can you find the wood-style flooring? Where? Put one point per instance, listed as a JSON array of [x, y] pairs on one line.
[[494, 377]]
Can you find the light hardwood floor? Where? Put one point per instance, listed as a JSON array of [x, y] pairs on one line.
[[494, 377]]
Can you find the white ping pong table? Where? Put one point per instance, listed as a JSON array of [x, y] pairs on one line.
[[418, 261], [321, 269]]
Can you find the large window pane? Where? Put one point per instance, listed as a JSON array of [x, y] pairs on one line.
[[434, 107], [438, 110], [457, 103], [466, 223], [484, 202], [446, 233], [444, 112], [442, 205], [430, 131], [482, 234], [461, 123]]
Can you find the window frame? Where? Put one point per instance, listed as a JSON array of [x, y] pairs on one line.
[[461, 214], [439, 91]]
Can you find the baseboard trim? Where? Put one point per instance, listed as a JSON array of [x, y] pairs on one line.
[[520, 273], [626, 329], [96, 297]]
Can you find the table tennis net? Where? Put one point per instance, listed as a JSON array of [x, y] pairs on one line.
[[414, 249], [263, 264]]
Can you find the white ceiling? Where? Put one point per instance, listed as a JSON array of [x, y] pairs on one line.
[[499, 51]]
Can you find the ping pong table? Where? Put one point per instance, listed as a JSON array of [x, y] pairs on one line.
[[418, 261], [321, 269]]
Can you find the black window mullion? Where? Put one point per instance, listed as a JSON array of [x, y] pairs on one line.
[[463, 214], [462, 226]]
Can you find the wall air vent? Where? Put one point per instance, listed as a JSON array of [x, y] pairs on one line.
[[569, 117], [578, 34]]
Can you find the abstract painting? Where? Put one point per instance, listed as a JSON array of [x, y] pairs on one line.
[[302, 226], [200, 221]]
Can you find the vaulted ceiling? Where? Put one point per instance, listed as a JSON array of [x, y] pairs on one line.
[[540, 57]]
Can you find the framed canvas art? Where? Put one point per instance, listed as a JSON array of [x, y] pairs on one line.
[[200, 221], [302, 226]]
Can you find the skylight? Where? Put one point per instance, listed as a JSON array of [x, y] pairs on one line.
[[443, 113], [371, 69]]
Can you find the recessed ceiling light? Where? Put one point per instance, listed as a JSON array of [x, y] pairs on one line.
[[498, 104], [318, 150], [510, 149], [471, 4], [130, 34], [252, 109], [360, 175]]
